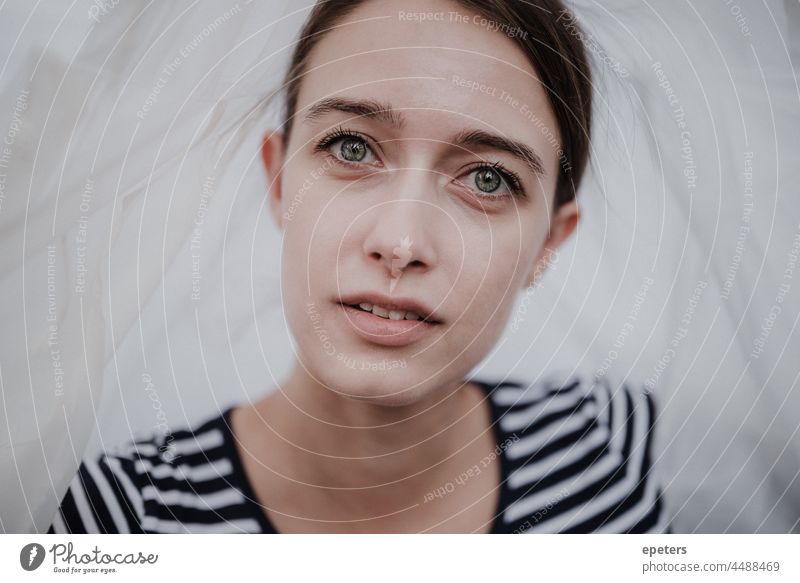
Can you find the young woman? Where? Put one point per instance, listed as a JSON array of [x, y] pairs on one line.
[[426, 169]]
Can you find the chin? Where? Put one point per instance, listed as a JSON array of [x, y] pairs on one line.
[[387, 388], [394, 387]]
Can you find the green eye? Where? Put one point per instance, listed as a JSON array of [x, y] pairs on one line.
[[488, 180], [353, 150]]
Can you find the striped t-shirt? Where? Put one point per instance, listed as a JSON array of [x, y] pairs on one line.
[[575, 458]]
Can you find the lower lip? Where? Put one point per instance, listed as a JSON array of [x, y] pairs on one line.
[[385, 331]]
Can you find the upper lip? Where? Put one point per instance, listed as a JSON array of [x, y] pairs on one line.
[[392, 303]]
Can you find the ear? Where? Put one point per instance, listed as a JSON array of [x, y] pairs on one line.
[[562, 225], [272, 155]]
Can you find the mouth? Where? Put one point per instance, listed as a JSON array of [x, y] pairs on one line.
[[386, 314], [390, 308], [388, 322]]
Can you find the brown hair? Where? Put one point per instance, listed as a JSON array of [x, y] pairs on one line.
[[546, 33]]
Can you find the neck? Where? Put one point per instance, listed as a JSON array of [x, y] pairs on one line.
[[342, 443]]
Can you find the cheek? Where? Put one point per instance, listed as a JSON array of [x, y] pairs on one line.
[[301, 262], [312, 252], [495, 256], [497, 292], [307, 221], [494, 273]]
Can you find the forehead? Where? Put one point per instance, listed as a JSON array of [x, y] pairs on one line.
[[442, 64]]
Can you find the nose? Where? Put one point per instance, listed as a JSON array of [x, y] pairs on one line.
[[400, 235]]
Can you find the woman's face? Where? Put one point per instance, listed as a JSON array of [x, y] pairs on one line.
[[421, 168]]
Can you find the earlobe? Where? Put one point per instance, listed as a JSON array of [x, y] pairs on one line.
[[546, 257], [562, 226], [272, 156]]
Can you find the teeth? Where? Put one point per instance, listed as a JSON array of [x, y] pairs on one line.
[[378, 311], [390, 314]]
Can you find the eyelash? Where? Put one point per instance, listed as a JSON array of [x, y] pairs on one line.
[[509, 177], [336, 135]]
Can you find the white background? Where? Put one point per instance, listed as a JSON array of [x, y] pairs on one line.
[[728, 443]]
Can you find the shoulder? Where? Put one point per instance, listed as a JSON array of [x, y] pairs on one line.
[[579, 455], [184, 481]]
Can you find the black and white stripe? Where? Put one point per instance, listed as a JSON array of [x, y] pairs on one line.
[[582, 460], [577, 458], [196, 492]]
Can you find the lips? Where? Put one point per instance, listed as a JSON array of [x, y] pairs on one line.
[[379, 321], [385, 331], [392, 304]]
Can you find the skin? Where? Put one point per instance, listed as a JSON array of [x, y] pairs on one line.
[[341, 450]]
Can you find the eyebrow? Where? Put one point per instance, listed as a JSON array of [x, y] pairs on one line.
[[467, 138], [364, 108], [482, 139]]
